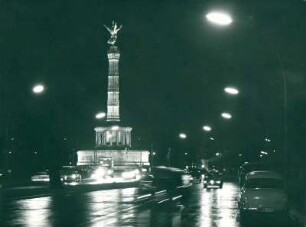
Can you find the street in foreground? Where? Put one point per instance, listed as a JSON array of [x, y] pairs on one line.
[[127, 207]]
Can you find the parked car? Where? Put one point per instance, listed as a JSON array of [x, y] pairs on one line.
[[41, 177], [249, 167], [213, 178], [262, 192]]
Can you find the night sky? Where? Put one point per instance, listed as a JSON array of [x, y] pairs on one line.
[[173, 68]]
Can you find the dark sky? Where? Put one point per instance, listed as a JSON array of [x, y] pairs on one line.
[[173, 67]]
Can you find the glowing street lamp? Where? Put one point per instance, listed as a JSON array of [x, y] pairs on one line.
[[38, 88], [182, 135], [267, 140], [231, 90], [226, 115], [100, 115], [219, 18], [211, 138], [206, 128]]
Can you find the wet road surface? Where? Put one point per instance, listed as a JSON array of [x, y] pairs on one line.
[[126, 207]]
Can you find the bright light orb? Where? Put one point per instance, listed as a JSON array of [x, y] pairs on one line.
[[100, 115], [115, 127], [226, 115], [182, 135], [219, 18], [231, 90], [39, 88], [206, 128]]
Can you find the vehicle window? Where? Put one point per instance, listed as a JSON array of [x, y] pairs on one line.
[[264, 183]]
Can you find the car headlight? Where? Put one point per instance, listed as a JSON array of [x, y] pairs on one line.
[[211, 181], [73, 176]]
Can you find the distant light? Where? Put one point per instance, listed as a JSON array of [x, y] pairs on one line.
[[226, 115], [274, 151], [219, 18], [268, 140], [100, 115], [182, 135], [115, 127], [218, 154], [240, 155], [153, 153], [231, 90], [186, 153], [260, 155], [206, 128], [211, 138], [263, 152], [39, 88]]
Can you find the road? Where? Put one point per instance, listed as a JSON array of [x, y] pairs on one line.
[[127, 207]]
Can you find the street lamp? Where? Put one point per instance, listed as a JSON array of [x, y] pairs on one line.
[[206, 128], [219, 18], [182, 135], [226, 115], [231, 90], [38, 88], [100, 115]]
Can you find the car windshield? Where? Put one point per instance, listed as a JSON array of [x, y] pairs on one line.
[[264, 183]]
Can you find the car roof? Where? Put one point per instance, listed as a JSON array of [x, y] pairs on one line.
[[263, 174]]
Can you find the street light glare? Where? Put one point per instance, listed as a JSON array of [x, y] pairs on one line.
[[226, 115], [231, 90], [182, 135], [219, 18], [206, 128], [100, 115], [39, 88]]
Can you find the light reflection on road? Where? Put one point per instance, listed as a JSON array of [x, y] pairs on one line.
[[212, 207], [32, 212], [119, 207]]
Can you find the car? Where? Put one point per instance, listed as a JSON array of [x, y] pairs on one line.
[[262, 192], [213, 178], [249, 167], [70, 176], [196, 175], [166, 184], [42, 176]]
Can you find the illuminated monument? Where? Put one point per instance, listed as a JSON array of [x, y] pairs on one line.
[[113, 142]]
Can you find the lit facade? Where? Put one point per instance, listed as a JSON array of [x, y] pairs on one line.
[[113, 102]]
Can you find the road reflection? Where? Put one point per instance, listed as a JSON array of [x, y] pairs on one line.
[[212, 207], [122, 207], [31, 212]]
